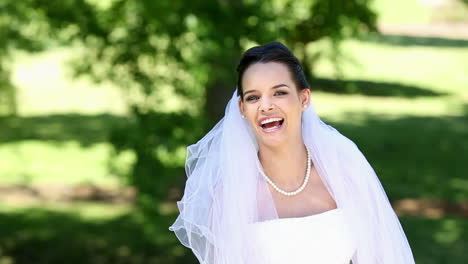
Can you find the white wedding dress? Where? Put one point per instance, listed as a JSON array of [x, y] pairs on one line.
[[323, 238]]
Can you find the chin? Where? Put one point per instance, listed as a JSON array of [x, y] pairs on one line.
[[272, 145], [271, 141]]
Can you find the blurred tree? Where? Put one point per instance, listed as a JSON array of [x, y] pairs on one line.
[[176, 60], [7, 93], [16, 33]]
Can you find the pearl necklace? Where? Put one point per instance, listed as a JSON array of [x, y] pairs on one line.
[[306, 179]]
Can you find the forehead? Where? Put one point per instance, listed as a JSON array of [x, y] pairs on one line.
[[266, 75]]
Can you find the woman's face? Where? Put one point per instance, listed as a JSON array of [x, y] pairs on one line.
[[272, 105]]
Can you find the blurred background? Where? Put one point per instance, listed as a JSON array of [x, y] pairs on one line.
[[99, 99]]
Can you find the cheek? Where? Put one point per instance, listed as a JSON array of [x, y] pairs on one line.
[[293, 111], [249, 112], [290, 106]]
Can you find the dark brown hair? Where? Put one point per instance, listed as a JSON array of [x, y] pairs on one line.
[[271, 52]]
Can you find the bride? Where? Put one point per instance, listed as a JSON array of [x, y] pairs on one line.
[[272, 183]]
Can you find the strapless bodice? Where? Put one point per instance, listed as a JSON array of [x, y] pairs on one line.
[[323, 238]]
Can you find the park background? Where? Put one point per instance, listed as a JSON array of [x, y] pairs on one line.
[[99, 99]]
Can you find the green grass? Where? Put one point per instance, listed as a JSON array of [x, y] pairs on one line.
[[406, 107], [61, 133], [89, 211], [436, 241], [33, 161], [402, 11], [414, 156], [65, 148], [438, 69], [46, 86], [43, 236], [404, 102], [417, 12], [54, 236]]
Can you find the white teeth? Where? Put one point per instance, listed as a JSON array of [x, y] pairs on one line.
[[271, 128], [271, 120]]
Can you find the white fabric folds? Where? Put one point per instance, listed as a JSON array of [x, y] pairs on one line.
[[225, 194]]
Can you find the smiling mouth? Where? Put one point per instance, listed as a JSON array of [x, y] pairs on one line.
[[272, 125]]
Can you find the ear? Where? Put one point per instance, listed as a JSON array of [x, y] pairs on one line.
[[241, 106], [304, 97]]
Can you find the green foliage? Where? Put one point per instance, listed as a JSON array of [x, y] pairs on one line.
[[154, 44], [50, 237], [16, 33], [151, 135], [160, 49], [156, 50], [7, 93]]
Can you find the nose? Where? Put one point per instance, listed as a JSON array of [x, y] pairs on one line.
[[266, 105]]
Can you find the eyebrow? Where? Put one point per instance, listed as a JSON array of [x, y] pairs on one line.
[[274, 87]]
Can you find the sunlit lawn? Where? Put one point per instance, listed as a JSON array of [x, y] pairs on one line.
[[407, 109], [419, 11], [66, 148], [34, 162]]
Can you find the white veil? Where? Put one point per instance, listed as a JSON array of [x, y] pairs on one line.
[[225, 194]]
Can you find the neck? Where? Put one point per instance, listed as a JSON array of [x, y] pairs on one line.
[[285, 165]]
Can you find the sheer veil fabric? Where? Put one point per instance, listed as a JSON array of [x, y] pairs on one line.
[[225, 194]]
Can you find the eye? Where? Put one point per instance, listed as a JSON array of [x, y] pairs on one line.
[[281, 93], [252, 98]]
